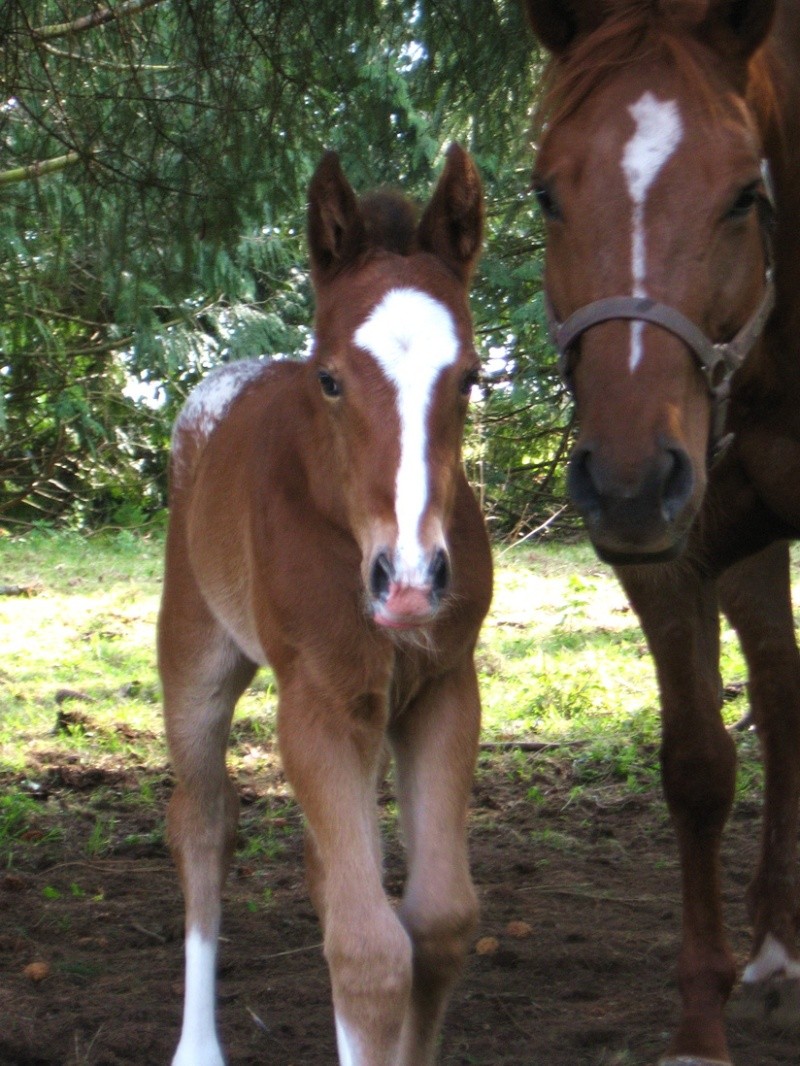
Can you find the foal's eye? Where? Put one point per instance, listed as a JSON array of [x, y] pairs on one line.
[[546, 201], [328, 383], [745, 201], [469, 381]]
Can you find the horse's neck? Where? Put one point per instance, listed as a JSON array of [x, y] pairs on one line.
[[781, 131]]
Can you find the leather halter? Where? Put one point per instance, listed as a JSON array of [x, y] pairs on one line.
[[716, 362]]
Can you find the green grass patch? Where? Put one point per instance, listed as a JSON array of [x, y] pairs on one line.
[[562, 660]]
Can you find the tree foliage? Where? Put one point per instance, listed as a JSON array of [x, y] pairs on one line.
[[154, 160]]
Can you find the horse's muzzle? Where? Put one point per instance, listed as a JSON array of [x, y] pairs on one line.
[[637, 518]]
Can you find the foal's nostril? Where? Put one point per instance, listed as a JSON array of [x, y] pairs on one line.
[[440, 572], [678, 483], [381, 576]]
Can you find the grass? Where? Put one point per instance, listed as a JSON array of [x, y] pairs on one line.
[[561, 660]]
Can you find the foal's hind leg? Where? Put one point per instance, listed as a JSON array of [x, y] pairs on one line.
[[203, 675], [435, 744], [756, 596], [331, 750]]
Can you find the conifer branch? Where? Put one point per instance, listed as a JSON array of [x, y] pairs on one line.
[[38, 169], [90, 22]]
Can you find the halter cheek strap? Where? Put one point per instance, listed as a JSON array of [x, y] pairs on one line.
[[716, 362]]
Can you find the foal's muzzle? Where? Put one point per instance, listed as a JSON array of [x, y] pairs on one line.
[[403, 599]]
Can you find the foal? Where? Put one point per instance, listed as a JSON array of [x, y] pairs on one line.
[[321, 522]]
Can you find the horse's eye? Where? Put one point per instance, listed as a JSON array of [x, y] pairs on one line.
[[546, 201], [469, 381], [328, 383], [745, 201]]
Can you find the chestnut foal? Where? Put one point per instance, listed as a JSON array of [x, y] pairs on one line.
[[673, 284], [321, 522]]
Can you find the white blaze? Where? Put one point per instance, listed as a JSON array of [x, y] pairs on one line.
[[413, 338], [658, 132]]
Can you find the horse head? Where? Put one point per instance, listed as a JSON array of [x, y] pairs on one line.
[[390, 375], [651, 179]]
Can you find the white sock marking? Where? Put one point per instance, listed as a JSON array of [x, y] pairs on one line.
[[346, 1045], [773, 960], [199, 1045], [413, 338], [658, 132]]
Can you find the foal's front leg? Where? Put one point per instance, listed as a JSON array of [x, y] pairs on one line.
[[435, 743], [678, 612], [203, 675], [331, 751]]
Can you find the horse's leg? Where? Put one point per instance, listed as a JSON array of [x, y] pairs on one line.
[[756, 596], [678, 612], [203, 675], [331, 753], [435, 743]]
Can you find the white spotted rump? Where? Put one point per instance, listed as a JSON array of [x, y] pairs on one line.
[[658, 133], [413, 338], [208, 402]]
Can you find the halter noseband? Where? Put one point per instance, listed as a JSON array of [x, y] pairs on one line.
[[716, 362]]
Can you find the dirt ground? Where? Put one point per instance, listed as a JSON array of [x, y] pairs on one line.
[[589, 982]]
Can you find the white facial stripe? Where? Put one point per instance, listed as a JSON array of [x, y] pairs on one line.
[[413, 338], [658, 133]]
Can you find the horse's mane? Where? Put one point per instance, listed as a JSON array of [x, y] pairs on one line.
[[635, 31], [390, 220]]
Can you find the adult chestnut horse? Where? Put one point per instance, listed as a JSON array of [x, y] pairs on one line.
[[321, 521], [673, 284]]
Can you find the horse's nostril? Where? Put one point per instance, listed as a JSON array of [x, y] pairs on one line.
[[440, 572], [678, 483], [581, 485], [381, 576]]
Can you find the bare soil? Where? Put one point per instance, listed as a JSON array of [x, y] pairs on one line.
[[586, 979]]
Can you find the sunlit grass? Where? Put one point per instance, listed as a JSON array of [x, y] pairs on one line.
[[562, 660]]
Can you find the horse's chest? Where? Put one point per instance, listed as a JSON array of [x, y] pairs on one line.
[[772, 460]]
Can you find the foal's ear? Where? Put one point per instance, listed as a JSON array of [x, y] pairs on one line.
[[336, 231], [451, 226], [736, 28], [558, 23]]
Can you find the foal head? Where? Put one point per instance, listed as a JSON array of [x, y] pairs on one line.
[[391, 372], [650, 181]]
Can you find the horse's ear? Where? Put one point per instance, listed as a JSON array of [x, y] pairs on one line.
[[336, 231], [736, 28], [451, 226], [558, 23]]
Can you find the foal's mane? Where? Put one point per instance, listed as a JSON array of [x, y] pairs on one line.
[[390, 220], [635, 31]]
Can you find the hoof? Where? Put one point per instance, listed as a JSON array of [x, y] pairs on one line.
[[775, 1001], [692, 1060]]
